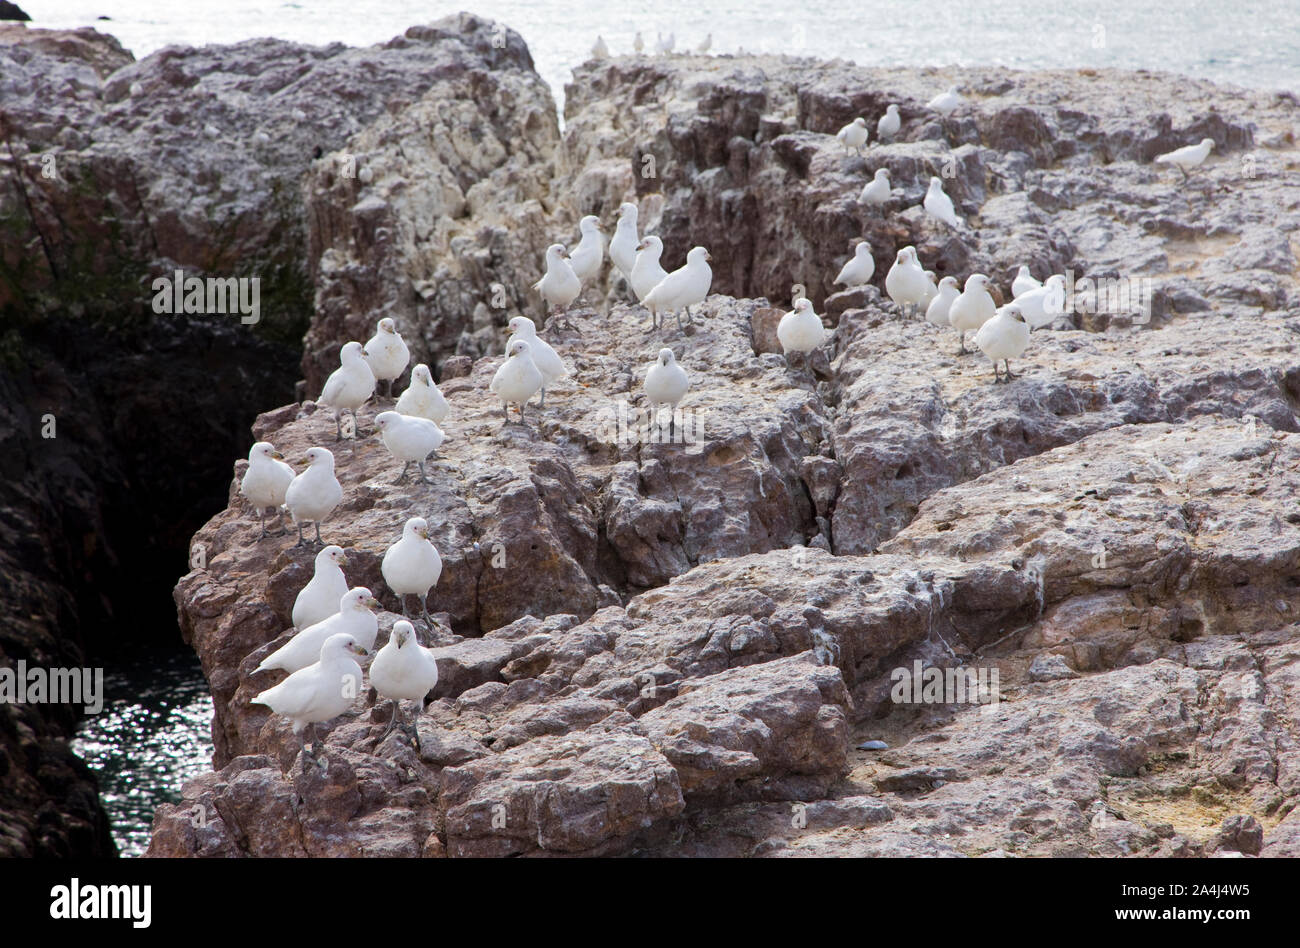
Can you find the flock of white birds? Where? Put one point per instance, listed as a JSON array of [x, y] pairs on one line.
[[335, 623]]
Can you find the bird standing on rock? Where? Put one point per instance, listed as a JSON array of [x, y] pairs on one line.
[[800, 330], [938, 205], [320, 691], [387, 355], [517, 380], [559, 286], [683, 288], [623, 246], [877, 190], [590, 252], [409, 439], [1023, 283], [972, 309], [666, 383], [854, 135], [546, 359], [319, 599], [647, 273], [889, 124], [1004, 337], [945, 103], [1189, 158], [859, 268], [355, 617], [906, 283], [403, 670], [599, 50], [937, 312], [314, 493], [412, 566], [423, 398], [348, 387], [265, 482]]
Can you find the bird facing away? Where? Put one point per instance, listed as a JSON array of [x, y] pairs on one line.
[[854, 135], [1189, 158], [412, 566], [800, 330], [355, 617], [517, 380], [1004, 337], [938, 205], [937, 312], [599, 50], [265, 482], [387, 355], [972, 309], [319, 599], [319, 691], [403, 670], [683, 288], [590, 252], [1043, 306], [423, 398], [859, 269], [906, 283], [410, 439], [877, 190], [349, 386], [623, 245], [1023, 283], [889, 123], [559, 286], [546, 359], [314, 493]]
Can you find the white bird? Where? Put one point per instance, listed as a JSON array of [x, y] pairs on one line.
[[889, 123], [854, 135], [972, 309], [623, 245], [647, 272], [931, 291], [937, 311], [938, 205], [666, 383], [1023, 283], [665, 46], [423, 398], [945, 103], [877, 190], [559, 286], [410, 439], [906, 283], [356, 617], [1188, 158], [590, 252], [546, 359], [412, 566], [800, 330], [859, 269], [319, 599], [319, 691], [1043, 306], [349, 386], [1004, 337], [314, 493], [265, 482], [517, 380], [638, 44], [705, 45], [599, 50], [386, 354], [682, 288], [403, 670]]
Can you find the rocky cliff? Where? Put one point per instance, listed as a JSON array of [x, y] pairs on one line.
[[678, 648]]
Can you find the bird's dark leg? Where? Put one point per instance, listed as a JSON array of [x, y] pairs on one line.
[[338, 426], [356, 425], [424, 610], [402, 478], [261, 516], [961, 343], [302, 540], [678, 316], [319, 541], [424, 478], [1007, 364], [401, 602], [392, 723], [542, 401], [505, 412]]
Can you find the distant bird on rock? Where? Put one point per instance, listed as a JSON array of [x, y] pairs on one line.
[[854, 135], [517, 380], [877, 190], [938, 205], [265, 482], [1004, 337], [859, 269], [348, 387], [313, 494], [387, 355], [1188, 159], [683, 288]]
